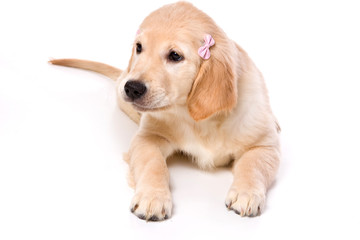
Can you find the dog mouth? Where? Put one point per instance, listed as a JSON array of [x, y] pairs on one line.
[[144, 108], [149, 102]]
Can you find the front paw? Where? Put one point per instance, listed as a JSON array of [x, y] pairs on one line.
[[152, 205], [245, 202]]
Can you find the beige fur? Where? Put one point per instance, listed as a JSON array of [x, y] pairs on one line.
[[215, 110]]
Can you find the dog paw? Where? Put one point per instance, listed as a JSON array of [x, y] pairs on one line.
[[245, 202], [152, 205]]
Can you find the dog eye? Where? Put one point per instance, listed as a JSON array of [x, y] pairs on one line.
[[175, 57], [138, 48]]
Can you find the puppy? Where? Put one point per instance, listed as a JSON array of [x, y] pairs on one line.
[[195, 91]]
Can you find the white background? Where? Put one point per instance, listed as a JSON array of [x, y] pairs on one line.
[[62, 135]]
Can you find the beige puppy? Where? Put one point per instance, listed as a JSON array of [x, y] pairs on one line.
[[197, 92]]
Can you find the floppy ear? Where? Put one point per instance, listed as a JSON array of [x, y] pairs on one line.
[[214, 88]]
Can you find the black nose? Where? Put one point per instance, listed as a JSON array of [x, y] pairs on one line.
[[134, 89]]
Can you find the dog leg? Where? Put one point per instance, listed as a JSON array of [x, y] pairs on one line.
[[148, 169], [253, 174]]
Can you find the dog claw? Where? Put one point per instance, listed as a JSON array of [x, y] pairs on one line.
[[153, 219], [141, 216], [133, 209]]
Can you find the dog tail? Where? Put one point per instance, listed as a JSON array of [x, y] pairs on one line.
[[104, 69]]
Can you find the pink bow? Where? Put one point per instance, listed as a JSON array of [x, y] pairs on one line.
[[204, 50]]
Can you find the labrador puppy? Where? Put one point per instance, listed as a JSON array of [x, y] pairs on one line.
[[193, 91]]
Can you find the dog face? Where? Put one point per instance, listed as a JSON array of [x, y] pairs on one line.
[[165, 68], [160, 71]]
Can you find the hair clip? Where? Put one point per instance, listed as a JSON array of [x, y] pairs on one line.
[[204, 50]]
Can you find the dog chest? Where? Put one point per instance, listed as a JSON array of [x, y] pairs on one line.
[[207, 142], [206, 151]]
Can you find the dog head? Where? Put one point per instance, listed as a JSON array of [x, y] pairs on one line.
[[165, 68]]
